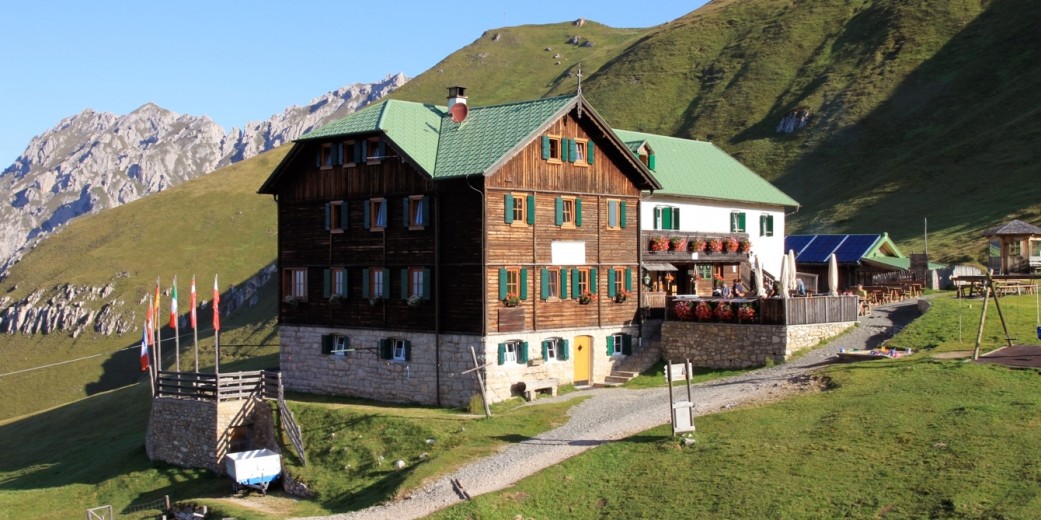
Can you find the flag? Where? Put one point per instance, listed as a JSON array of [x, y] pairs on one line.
[[144, 347], [156, 303], [192, 298], [173, 305], [216, 305]]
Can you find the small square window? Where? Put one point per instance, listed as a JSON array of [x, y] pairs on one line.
[[552, 348], [554, 149], [377, 214], [617, 344], [339, 346]]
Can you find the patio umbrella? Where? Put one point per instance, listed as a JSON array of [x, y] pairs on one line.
[[791, 270], [833, 275], [784, 277], [760, 290]]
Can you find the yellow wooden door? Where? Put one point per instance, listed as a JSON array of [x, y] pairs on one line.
[[583, 359]]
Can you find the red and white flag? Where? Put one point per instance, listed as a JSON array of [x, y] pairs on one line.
[[193, 303], [145, 340], [216, 305]]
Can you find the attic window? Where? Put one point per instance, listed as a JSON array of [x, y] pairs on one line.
[[578, 155], [551, 148]]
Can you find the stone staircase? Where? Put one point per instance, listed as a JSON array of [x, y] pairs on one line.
[[644, 356]]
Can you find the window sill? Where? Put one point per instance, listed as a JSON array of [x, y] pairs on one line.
[[554, 161], [581, 164], [326, 167], [416, 228], [520, 224], [372, 162], [336, 231]]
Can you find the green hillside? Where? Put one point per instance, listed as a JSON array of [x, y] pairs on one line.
[[918, 109]]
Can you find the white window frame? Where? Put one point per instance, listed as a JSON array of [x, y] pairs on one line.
[[552, 348], [619, 341], [377, 277], [339, 345], [296, 285], [398, 350], [510, 352], [339, 282]]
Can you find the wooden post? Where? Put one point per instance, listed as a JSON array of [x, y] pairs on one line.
[[480, 382], [983, 319], [997, 304]]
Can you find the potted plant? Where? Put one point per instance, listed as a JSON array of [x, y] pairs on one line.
[[684, 310], [746, 245], [730, 245], [621, 296], [697, 245], [746, 313], [703, 311], [414, 301], [660, 243], [511, 300], [587, 297], [679, 243], [336, 299], [724, 311], [715, 245], [291, 301], [376, 300]]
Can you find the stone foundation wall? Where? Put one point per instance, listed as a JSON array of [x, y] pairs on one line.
[[198, 434], [362, 373], [724, 345]]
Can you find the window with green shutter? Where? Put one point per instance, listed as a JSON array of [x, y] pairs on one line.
[[737, 222], [551, 349], [552, 149], [513, 351], [766, 225], [666, 217], [335, 345]]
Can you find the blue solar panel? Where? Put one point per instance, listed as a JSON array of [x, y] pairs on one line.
[[815, 249], [854, 248]]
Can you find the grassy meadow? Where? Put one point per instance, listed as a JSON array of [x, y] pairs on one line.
[[912, 437]]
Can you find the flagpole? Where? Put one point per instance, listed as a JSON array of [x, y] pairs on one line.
[[158, 332], [216, 328], [153, 371], [195, 326], [174, 322]]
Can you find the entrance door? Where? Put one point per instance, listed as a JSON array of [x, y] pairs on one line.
[[583, 359]]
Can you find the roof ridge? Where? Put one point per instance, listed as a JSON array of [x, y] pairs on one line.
[[523, 102]]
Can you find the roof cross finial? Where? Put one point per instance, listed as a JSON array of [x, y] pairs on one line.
[[579, 74]]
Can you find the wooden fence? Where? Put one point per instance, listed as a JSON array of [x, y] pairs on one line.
[[231, 386], [798, 311]]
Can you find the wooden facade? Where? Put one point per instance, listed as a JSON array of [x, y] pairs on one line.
[[325, 226]]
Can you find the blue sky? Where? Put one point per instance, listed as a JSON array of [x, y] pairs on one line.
[[237, 61]]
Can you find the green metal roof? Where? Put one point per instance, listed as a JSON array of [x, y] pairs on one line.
[[493, 134], [899, 263], [701, 169], [413, 127]]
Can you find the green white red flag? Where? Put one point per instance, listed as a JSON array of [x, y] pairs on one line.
[[173, 305]]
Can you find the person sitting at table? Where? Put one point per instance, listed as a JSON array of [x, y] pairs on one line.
[[725, 291], [800, 287], [740, 291]]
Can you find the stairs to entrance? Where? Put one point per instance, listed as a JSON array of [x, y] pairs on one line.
[[644, 356]]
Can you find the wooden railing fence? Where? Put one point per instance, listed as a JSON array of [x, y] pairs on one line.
[[799, 311], [289, 423]]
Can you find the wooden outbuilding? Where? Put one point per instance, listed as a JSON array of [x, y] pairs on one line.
[[1017, 245]]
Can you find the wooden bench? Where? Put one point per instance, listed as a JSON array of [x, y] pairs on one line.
[[533, 386]]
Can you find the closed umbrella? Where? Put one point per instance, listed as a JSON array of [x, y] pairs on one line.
[[791, 270], [784, 278], [833, 275], [760, 290]]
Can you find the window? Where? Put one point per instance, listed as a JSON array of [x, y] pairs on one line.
[[329, 155], [519, 209], [417, 212], [376, 214], [619, 283], [376, 150], [513, 351], [415, 281], [705, 271], [336, 345], [294, 284], [583, 282], [551, 150], [513, 281], [396, 349], [555, 349], [766, 225], [1015, 248], [616, 214], [569, 212], [551, 282], [666, 217], [620, 343], [334, 282], [375, 283], [737, 222], [336, 216], [579, 152]]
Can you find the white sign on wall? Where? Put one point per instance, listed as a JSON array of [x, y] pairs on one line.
[[568, 253]]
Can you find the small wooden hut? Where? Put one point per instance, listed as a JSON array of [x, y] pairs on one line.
[[1018, 247]]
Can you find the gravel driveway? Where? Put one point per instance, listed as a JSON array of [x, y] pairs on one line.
[[616, 413]]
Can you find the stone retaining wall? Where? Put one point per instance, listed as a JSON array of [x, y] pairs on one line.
[[197, 434], [362, 373], [724, 345]]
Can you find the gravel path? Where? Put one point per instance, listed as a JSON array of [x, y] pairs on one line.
[[616, 413]]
